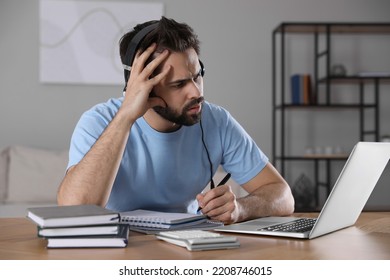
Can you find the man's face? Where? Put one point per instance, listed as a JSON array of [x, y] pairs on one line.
[[182, 89]]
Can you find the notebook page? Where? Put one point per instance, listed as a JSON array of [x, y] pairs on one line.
[[151, 218]]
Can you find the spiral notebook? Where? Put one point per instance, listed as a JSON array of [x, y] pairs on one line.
[[147, 221]]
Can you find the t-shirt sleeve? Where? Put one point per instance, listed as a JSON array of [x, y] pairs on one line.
[[88, 129], [241, 156]]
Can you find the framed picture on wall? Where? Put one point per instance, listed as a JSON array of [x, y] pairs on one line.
[[79, 40]]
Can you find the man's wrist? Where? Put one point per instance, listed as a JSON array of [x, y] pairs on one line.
[[125, 118]]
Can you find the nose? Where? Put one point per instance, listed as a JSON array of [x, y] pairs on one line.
[[194, 89]]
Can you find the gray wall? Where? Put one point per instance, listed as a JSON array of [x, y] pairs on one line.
[[236, 49]]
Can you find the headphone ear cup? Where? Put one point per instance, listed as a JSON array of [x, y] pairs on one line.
[[127, 75], [202, 69]]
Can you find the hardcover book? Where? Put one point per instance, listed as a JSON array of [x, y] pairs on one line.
[[118, 240], [75, 215], [107, 229], [296, 88]]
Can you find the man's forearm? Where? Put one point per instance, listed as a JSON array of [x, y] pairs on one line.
[[91, 180], [269, 200]]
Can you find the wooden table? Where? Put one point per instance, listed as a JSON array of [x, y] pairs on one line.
[[368, 239]]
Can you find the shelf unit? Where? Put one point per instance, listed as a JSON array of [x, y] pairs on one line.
[[322, 58]]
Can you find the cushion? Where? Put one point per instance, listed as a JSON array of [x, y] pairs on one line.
[[34, 175], [4, 160]]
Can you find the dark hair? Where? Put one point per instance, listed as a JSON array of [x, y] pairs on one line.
[[168, 34]]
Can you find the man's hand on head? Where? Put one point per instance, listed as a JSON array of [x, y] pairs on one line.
[[141, 83]]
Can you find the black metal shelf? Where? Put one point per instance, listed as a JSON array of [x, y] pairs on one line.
[[354, 79], [324, 102], [334, 27], [325, 106]]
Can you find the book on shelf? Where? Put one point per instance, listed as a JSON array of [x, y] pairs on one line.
[[147, 221], [307, 92], [117, 240], [105, 229], [296, 85], [75, 215], [301, 89]]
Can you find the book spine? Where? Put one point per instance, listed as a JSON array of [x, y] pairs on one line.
[[296, 86], [306, 89]]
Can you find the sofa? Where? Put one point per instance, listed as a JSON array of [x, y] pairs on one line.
[[29, 177]]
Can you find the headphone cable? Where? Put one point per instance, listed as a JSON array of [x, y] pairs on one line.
[[208, 156]]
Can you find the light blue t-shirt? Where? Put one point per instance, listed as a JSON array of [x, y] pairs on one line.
[[165, 171]]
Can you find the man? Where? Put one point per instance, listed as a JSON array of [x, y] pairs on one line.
[[158, 146]]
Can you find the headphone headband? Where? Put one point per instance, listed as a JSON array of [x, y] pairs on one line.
[[132, 49], [133, 45]]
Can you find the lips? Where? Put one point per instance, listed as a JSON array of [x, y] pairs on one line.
[[195, 109], [195, 106]]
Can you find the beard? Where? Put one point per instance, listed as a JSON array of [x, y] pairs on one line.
[[181, 118]]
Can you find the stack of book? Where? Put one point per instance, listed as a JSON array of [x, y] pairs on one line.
[[301, 89], [79, 226]]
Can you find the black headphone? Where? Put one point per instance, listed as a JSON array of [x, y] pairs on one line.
[[132, 50], [129, 58]]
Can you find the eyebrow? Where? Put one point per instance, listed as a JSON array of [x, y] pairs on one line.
[[186, 79]]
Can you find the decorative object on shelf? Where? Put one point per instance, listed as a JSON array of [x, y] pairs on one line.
[[335, 151], [303, 192], [338, 70], [385, 138]]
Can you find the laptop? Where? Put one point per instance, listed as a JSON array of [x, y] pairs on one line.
[[343, 206]]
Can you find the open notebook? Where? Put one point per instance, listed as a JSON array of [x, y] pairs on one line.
[[154, 221], [350, 193]]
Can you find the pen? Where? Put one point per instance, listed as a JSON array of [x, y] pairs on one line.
[[223, 182]]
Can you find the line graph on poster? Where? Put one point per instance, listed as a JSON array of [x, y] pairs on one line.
[[78, 41]]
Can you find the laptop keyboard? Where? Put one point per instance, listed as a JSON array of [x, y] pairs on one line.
[[300, 225]]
